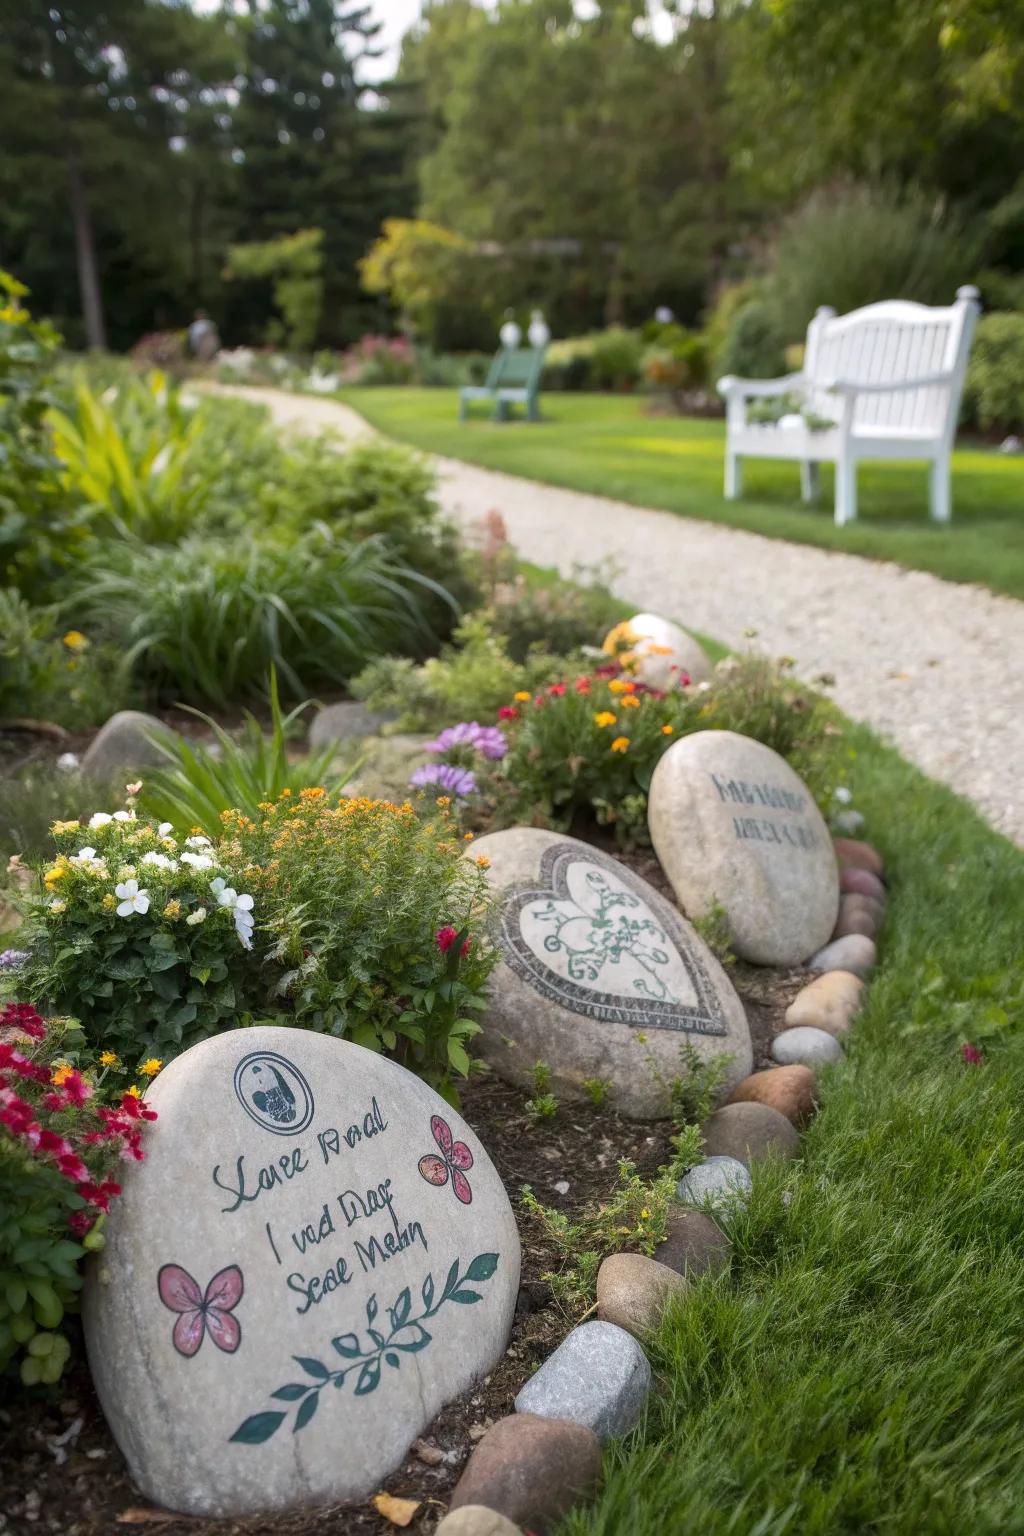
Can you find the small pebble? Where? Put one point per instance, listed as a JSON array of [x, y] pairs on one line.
[[531, 1469], [854, 953], [851, 852], [831, 1002], [749, 1132], [856, 915], [719, 1182], [476, 1520], [561, 1187], [632, 1291], [790, 1090], [805, 1046], [694, 1244], [855, 881], [598, 1376]]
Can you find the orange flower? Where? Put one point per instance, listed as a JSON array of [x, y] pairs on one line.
[[604, 718], [312, 794], [666, 730], [630, 701], [620, 744], [483, 862]]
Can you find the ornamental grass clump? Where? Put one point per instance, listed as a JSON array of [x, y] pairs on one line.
[[375, 921], [63, 1135], [142, 934]]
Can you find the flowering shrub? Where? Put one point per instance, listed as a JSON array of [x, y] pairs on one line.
[[142, 935], [379, 360], [60, 1147], [589, 744], [459, 746], [376, 920], [53, 675]]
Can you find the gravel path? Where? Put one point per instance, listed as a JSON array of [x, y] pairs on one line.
[[935, 668]]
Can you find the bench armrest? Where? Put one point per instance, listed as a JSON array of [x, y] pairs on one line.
[[851, 387], [745, 389]]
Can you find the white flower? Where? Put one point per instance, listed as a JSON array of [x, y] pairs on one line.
[[122, 816], [843, 795], [242, 914], [86, 856], [67, 762], [197, 860], [132, 899], [56, 905], [100, 819], [197, 842], [133, 789], [160, 860], [198, 916], [164, 829], [217, 886]]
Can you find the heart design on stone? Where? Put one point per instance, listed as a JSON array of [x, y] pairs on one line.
[[591, 939]]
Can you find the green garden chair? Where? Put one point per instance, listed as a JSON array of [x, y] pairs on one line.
[[512, 379]]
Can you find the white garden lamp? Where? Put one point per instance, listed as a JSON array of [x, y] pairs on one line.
[[511, 333], [539, 333]]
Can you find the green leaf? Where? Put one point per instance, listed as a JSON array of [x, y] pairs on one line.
[[453, 1279], [482, 1267], [347, 1344], [258, 1428], [427, 1291], [306, 1412], [369, 1378], [292, 1392], [400, 1310], [465, 1298], [411, 1338], [312, 1367]]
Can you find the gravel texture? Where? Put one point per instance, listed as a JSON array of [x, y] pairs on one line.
[[931, 666]]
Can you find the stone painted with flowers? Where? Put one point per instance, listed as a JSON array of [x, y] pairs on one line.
[[657, 652], [735, 827], [600, 977], [316, 1255]]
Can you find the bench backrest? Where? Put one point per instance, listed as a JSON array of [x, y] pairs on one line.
[[516, 368], [895, 340]]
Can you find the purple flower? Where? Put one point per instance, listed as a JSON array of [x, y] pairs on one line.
[[488, 740], [457, 781], [11, 959]]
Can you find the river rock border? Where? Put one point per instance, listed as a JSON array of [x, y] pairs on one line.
[[531, 1467]]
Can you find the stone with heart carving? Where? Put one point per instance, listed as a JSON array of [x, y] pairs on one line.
[[600, 977]]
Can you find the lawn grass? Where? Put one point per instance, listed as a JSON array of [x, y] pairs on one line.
[[613, 445], [860, 1368]]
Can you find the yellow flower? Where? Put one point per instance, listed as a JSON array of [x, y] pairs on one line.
[[312, 794], [108, 1059], [650, 649], [172, 909], [61, 1074], [645, 1214], [666, 730], [604, 718], [56, 872], [57, 907], [134, 1091], [618, 685], [65, 826], [75, 640], [483, 862], [630, 701], [522, 698], [108, 903], [620, 744], [467, 837], [443, 800], [619, 639], [151, 1067]]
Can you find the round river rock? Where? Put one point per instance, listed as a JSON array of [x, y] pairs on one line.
[[734, 826], [316, 1255], [600, 977]]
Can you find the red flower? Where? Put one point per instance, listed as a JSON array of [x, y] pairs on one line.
[[445, 939], [24, 1017], [556, 690], [81, 1222], [506, 712], [49, 1141], [76, 1090], [136, 1109], [583, 685], [610, 669], [972, 1054], [72, 1167]]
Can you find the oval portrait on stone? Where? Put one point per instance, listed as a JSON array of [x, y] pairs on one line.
[[276, 1317], [601, 978], [274, 1092], [735, 827]]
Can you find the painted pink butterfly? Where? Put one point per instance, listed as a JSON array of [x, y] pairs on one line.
[[200, 1314], [456, 1157]]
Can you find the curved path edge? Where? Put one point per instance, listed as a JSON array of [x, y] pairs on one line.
[[935, 668]]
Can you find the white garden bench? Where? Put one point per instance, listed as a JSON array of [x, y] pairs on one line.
[[882, 382]]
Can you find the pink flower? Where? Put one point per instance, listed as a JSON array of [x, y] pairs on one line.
[[972, 1054], [445, 939], [506, 712], [72, 1167], [556, 690]]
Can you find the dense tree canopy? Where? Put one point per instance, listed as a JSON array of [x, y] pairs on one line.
[[598, 159]]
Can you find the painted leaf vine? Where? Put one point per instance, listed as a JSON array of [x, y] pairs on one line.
[[405, 1336]]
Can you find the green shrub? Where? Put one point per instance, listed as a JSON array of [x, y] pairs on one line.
[[859, 244], [377, 925], [470, 679], [47, 675], [206, 622], [608, 359], [200, 784], [754, 345], [41, 524], [60, 1149], [553, 616], [994, 392], [138, 936]]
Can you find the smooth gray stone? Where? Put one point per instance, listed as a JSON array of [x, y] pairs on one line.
[[349, 721], [123, 744], [600, 977], [855, 953], [736, 828], [598, 1376], [720, 1182], [306, 1210], [805, 1046]]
